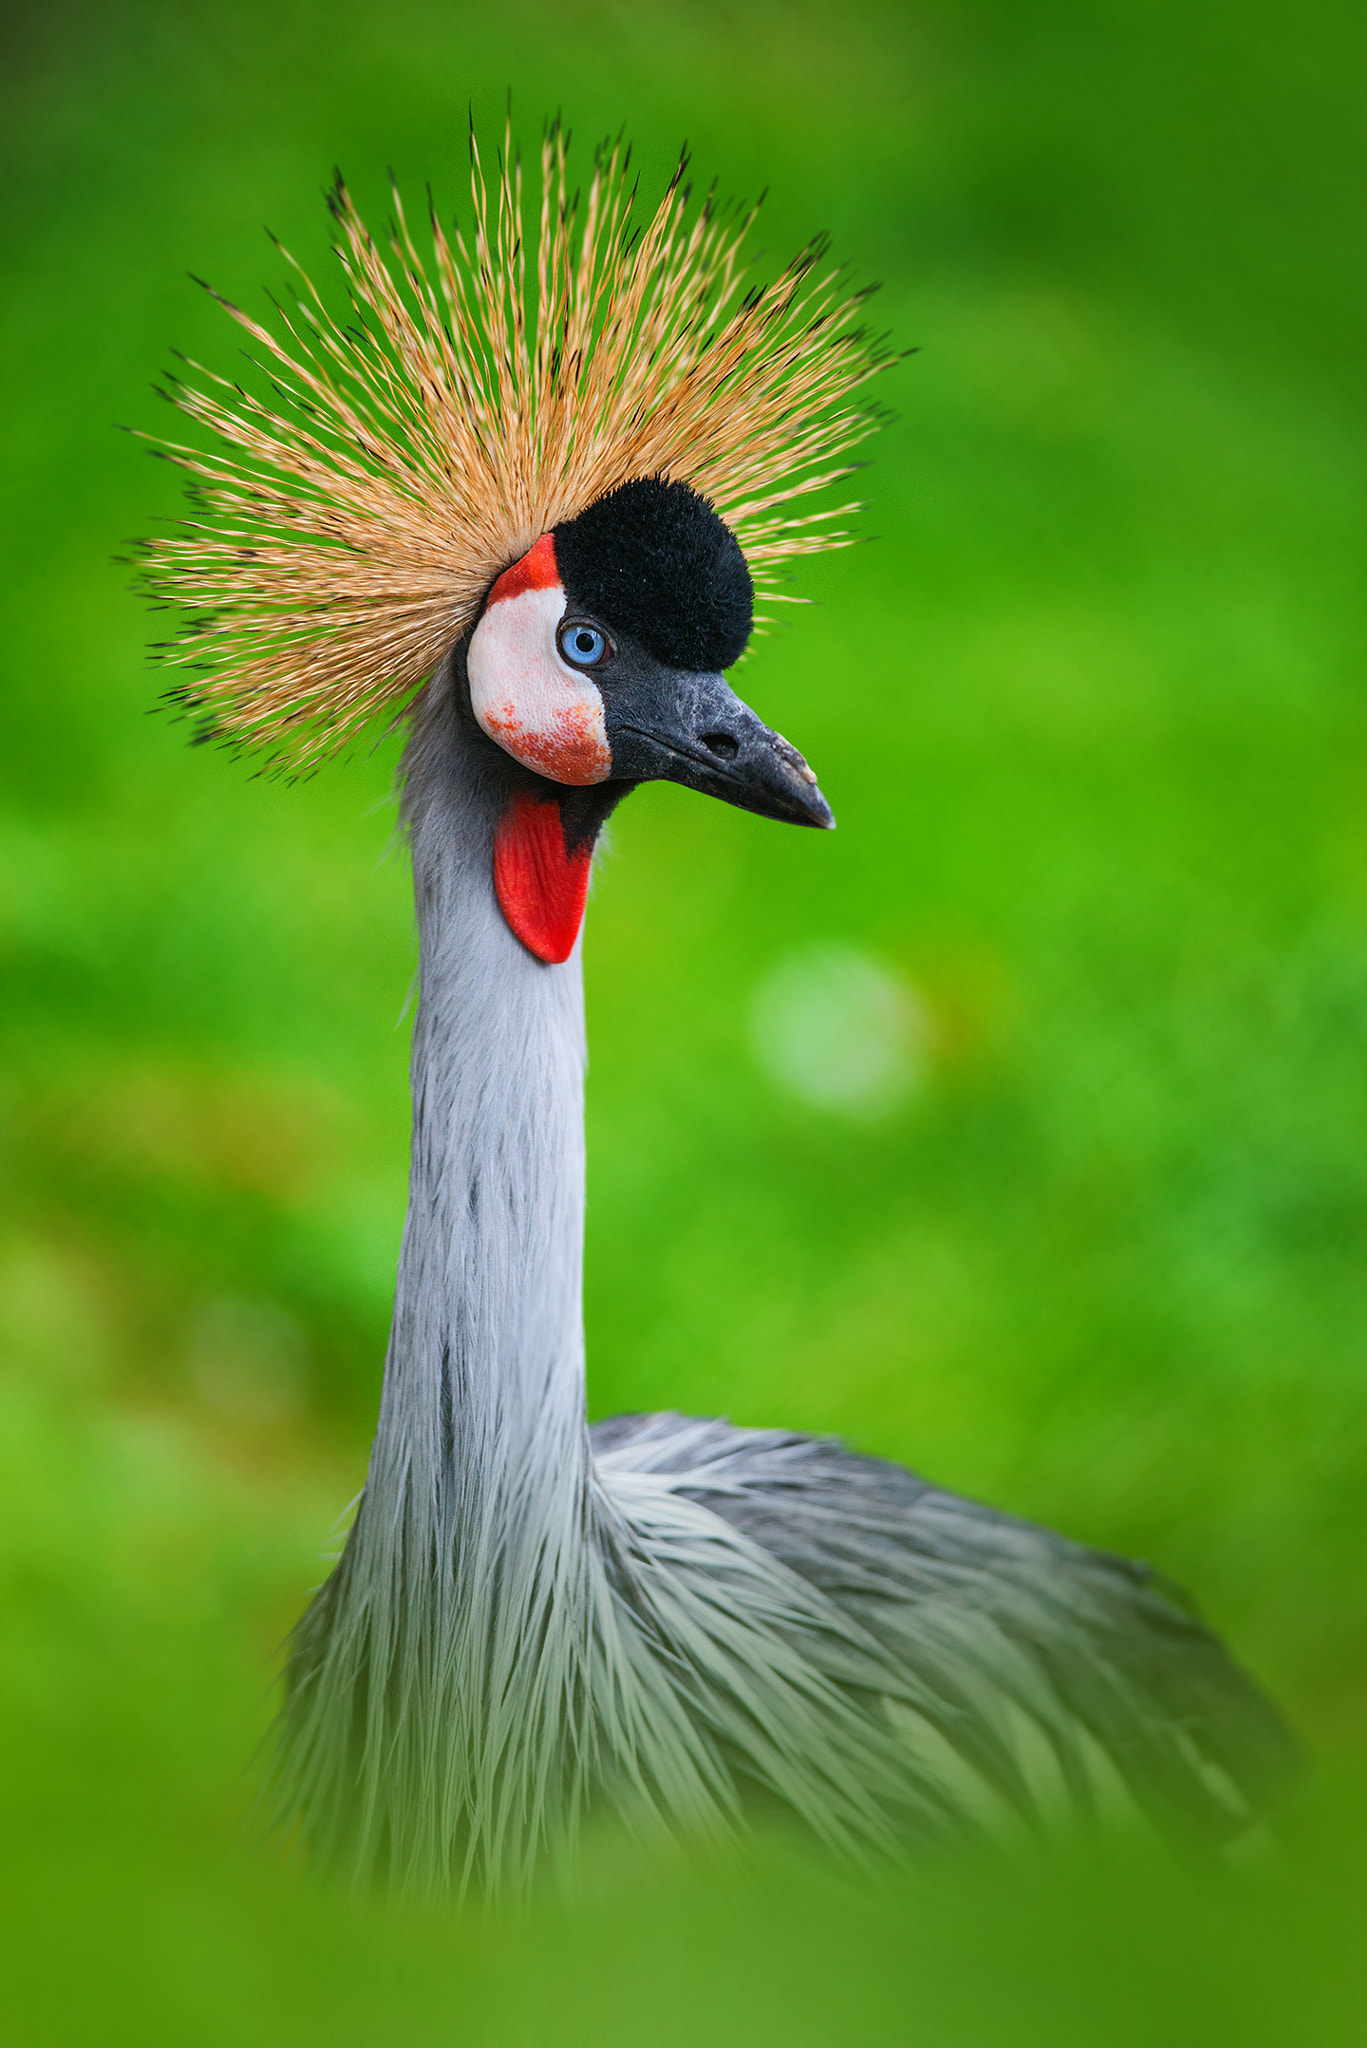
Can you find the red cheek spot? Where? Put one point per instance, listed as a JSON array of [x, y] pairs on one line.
[[502, 723], [541, 888], [572, 750], [535, 571]]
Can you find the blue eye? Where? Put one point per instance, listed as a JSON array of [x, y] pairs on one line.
[[582, 645]]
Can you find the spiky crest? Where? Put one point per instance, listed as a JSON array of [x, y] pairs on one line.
[[345, 537]]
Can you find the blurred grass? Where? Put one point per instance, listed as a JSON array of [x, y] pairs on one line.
[[1090, 715]]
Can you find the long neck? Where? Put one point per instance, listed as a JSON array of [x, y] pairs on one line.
[[458, 1612], [483, 1404]]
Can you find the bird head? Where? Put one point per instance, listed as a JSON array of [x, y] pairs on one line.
[[556, 483], [596, 664]]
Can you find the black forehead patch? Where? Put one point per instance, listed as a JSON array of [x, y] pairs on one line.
[[654, 560]]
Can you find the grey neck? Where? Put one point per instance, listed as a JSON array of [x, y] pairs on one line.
[[483, 1404], [434, 1723]]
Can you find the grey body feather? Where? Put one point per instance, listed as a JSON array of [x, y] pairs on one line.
[[678, 1620]]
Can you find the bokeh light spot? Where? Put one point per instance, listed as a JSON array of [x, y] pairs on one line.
[[841, 1030]]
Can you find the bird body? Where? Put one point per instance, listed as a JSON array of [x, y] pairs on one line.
[[676, 1620]]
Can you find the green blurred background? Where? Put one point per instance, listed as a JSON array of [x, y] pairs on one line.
[[1089, 710]]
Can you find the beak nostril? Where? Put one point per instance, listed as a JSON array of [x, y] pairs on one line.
[[723, 744]]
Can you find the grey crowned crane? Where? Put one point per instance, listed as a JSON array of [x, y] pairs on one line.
[[532, 511]]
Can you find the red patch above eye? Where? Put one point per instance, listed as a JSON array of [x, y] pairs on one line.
[[541, 888], [535, 571]]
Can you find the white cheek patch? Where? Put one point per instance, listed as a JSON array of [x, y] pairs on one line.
[[526, 698]]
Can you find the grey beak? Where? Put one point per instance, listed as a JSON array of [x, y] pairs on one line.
[[694, 729]]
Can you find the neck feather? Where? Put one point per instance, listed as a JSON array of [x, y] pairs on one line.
[[478, 1493], [484, 1386]]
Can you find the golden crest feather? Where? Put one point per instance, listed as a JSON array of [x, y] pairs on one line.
[[344, 538]]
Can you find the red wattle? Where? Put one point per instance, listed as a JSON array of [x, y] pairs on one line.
[[541, 888]]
